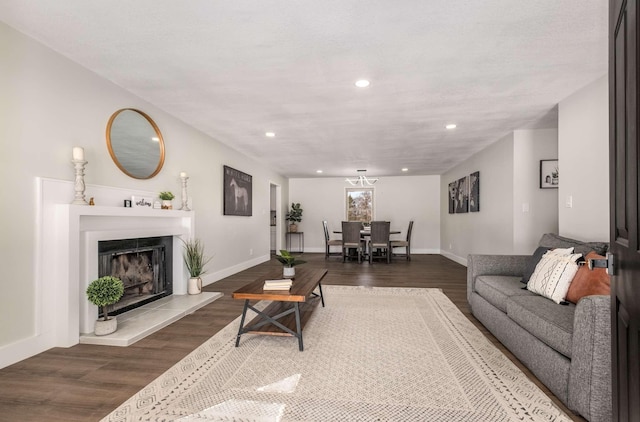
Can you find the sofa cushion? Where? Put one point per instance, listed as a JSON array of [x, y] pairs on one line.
[[551, 240], [496, 289], [549, 322]]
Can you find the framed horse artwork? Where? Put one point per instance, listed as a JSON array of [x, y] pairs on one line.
[[237, 192]]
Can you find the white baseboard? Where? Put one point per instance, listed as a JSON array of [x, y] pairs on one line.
[[413, 251], [455, 258], [23, 349], [219, 275], [319, 250]]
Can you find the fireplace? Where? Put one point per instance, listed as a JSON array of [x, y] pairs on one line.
[[67, 253], [143, 267]]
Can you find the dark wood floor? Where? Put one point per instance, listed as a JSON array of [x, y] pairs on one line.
[[86, 382]]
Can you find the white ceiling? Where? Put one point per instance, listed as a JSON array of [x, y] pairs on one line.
[[236, 69]]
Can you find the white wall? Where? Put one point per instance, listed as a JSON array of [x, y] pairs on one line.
[[491, 229], [582, 151], [583, 132], [49, 104], [534, 209], [396, 199]]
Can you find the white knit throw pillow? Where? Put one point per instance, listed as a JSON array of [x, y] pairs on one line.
[[553, 275]]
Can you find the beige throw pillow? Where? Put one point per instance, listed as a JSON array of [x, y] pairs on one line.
[[553, 274]]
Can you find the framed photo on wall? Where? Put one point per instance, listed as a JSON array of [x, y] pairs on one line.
[[549, 174], [462, 195], [452, 197], [474, 192], [237, 192]]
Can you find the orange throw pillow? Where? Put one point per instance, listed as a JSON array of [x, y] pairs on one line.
[[589, 282]]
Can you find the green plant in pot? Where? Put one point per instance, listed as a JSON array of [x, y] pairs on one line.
[[294, 216], [195, 261], [104, 292], [166, 198], [289, 261]]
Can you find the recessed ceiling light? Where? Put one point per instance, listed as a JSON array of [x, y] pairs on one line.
[[318, 171], [451, 126], [155, 138], [405, 169], [270, 135], [362, 83]]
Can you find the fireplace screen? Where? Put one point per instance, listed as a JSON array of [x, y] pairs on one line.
[[143, 265]]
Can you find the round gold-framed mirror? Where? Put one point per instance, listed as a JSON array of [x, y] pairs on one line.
[[135, 143]]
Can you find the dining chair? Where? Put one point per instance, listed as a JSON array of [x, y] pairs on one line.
[[379, 240], [330, 242], [404, 243], [351, 239]]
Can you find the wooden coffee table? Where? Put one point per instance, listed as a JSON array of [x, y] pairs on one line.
[[281, 318]]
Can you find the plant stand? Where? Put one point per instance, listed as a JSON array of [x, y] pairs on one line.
[[289, 240]]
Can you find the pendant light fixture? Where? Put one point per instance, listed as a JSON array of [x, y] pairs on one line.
[[362, 179]]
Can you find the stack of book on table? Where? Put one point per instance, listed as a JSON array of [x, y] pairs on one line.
[[284, 284]]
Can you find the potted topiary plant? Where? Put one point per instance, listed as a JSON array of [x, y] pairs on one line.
[[103, 293], [166, 200], [195, 261], [289, 261], [294, 216]]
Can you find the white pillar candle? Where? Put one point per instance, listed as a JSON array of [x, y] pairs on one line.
[[183, 174], [78, 153]]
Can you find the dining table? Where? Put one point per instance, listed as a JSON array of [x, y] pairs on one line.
[[367, 233]]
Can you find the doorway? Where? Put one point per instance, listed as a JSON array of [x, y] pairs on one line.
[[274, 217]]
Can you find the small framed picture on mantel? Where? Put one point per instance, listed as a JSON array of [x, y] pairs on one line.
[[549, 174]]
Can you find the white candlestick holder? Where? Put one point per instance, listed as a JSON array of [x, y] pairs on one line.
[[185, 205], [79, 183]]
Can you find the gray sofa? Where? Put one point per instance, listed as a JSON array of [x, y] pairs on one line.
[[568, 347]]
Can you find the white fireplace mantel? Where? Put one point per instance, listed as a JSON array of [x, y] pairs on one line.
[[67, 254]]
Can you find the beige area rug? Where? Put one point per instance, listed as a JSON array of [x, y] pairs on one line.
[[372, 354]]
